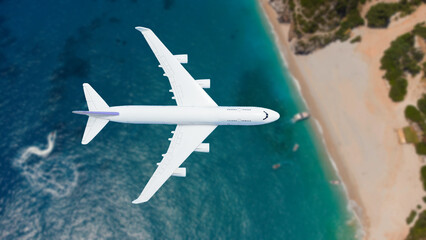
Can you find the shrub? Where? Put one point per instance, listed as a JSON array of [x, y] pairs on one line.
[[413, 114], [423, 176], [356, 39], [309, 27], [378, 16], [420, 30], [310, 6], [424, 69], [398, 90], [418, 231], [421, 150], [421, 104], [353, 20], [411, 217], [401, 56]]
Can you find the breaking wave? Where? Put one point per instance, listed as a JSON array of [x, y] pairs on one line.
[[56, 175]]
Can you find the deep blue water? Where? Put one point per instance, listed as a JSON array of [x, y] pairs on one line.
[[49, 48]]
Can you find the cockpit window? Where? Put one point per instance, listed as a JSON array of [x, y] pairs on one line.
[[266, 115]]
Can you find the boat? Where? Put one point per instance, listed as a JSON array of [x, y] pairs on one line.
[[335, 182], [276, 166], [295, 147], [300, 116]]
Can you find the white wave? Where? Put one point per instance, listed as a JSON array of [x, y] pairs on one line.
[[54, 175], [299, 89], [319, 128], [351, 206], [281, 51]]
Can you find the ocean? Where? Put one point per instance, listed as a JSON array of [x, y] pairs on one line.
[[52, 187]]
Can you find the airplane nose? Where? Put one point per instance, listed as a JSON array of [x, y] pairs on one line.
[[274, 116]]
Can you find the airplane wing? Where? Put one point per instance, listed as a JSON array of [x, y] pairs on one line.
[[187, 92], [185, 140]]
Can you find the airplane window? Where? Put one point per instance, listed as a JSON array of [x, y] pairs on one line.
[[266, 115]]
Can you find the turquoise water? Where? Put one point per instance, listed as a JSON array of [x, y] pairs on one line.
[[49, 49]]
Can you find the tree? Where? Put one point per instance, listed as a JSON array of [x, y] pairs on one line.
[[413, 114], [421, 149], [421, 104], [398, 90], [379, 14]]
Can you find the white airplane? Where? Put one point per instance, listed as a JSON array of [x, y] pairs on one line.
[[196, 115]]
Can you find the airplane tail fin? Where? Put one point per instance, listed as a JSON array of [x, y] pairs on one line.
[[94, 101], [97, 107]]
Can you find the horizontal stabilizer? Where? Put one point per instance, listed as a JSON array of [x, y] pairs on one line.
[[93, 127], [96, 113]]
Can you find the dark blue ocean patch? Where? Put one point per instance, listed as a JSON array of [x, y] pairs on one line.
[[168, 4], [114, 20]]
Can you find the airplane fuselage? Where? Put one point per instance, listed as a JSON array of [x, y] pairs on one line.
[[188, 115]]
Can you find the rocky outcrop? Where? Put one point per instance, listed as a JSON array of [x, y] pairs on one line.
[[314, 25], [283, 10]]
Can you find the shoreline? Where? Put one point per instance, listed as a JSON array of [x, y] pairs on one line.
[[321, 131], [363, 150]]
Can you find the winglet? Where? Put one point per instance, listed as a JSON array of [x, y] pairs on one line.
[[140, 199], [142, 29]]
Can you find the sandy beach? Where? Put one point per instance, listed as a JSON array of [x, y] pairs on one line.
[[344, 90]]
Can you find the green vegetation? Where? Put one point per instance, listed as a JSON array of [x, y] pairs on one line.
[[423, 176], [418, 231], [411, 217], [420, 30], [379, 15], [397, 54], [310, 6], [424, 69], [421, 104], [319, 22], [399, 58], [356, 39], [410, 135], [413, 114], [421, 149], [398, 89], [419, 119], [353, 20], [424, 199]]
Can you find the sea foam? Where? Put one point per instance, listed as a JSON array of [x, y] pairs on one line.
[[56, 175]]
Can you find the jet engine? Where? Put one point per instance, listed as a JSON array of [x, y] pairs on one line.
[[204, 83], [203, 147], [182, 58], [179, 172]]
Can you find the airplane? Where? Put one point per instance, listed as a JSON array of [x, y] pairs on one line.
[[196, 115]]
